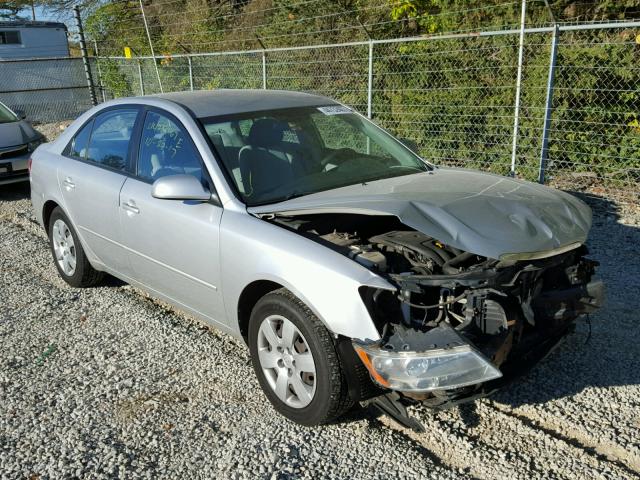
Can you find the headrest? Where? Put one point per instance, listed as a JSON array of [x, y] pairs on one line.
[[266, 132], [216, 139]]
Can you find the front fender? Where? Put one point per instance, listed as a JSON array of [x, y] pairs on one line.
[[326, 281]]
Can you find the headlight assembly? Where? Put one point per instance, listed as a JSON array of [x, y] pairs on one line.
[[456, 365], [31, 146]]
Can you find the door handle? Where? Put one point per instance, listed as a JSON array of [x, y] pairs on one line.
[[130, 206], [68, 183]]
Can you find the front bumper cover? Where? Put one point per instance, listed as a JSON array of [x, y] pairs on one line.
[[14, 170], [442, 367]]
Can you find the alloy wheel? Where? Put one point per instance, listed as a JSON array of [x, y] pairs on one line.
[[287, 361], [64, 247]]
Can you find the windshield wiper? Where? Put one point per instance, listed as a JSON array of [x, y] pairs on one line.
[[294, 194], [290, 196], [411, 167]]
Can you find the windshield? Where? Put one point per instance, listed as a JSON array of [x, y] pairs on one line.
[[276, 155], [6, 115]]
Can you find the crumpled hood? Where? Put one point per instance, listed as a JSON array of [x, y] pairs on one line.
[[16, 133], [478, 212]]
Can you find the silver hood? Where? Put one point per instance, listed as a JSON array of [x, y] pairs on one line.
[[478, 212], [16, 133]]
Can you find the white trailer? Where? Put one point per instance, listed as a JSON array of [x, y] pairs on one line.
[[27, 39], [36, 73]]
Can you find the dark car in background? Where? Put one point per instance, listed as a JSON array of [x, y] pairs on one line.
[[17, 140]]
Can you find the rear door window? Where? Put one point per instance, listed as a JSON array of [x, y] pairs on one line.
[[110, 138]]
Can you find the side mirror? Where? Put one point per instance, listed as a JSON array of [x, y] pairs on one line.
[[20, 113], [411, 145], [180, 187]]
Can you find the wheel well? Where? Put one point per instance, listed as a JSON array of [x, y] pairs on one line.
[[248, 299], [47, 209]]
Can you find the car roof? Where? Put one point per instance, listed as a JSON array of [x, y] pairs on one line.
[[210, 103]]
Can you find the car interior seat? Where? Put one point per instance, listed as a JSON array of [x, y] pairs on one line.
[[264, 163]]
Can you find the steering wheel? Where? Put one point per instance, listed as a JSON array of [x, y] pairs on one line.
[[334, 155]]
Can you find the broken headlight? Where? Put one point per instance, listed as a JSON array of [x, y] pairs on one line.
[[453, 363], [31, 146]]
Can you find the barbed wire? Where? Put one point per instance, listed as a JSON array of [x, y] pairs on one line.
[[349, 15]]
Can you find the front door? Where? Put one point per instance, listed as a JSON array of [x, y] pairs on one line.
[[173, 245]]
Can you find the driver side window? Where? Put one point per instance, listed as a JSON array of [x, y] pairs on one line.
[[166, 149]]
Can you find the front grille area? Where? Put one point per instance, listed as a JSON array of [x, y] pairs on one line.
[[13, 174], [11, 152]]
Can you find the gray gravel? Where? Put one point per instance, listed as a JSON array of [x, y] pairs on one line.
[[52, 130], [106, 382]]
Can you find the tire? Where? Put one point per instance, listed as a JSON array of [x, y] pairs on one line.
[[327, 387], [68, 254]]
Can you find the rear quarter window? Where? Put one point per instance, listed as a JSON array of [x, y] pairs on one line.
[[77, 147]]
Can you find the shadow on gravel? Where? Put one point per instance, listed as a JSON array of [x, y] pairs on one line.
[[22, 191], [15, 191], [604, 351]]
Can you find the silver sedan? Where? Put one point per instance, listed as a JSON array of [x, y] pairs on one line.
[[355, 270]]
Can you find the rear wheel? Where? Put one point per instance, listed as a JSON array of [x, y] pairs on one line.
[[295, 360], [68, 254]]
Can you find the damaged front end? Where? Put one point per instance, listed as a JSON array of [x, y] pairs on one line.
[[458, 324], [467, 323]]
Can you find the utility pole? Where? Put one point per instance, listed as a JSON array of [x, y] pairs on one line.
[[97, 55], [153, 54]]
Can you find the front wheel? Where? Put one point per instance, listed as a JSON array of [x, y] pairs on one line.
[[295, 360]]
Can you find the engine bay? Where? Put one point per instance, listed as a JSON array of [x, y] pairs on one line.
[[505, 309]]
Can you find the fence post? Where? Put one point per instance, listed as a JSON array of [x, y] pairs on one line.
[[190, 72], [370, 82], [544, 151], [140, 78], [85, 57], [516, 114], [264, 70]]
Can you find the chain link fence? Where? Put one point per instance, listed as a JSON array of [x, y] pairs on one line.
[[339, 72], [594, 139], [452, 95], [47, 90]]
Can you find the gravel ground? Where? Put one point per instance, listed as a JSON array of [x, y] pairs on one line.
[[106, 382], [52, 130]]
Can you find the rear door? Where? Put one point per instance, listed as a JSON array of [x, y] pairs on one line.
[[173, 245], [91, 174]]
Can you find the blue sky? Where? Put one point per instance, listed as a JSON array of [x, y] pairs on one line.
[[43, 14]]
